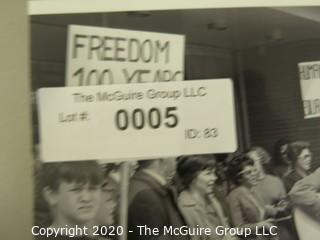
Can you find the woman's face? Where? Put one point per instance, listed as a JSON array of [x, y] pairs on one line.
[[304, 160], [249, 175], [205, 180], [106, 212], [257, 159]]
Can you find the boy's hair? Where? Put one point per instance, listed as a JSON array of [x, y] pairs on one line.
[[80, 172]]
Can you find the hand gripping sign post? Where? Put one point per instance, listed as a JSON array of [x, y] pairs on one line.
[[310, 88], [137, 120], [103, 56]]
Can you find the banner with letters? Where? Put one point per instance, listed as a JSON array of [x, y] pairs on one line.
[[310, 88], [101, 56]]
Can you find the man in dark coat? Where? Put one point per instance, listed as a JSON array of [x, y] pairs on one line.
[[152, 201]]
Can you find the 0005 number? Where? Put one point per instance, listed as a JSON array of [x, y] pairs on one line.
[[154, 118]]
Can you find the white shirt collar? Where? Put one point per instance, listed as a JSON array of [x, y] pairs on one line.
[[156, 176]]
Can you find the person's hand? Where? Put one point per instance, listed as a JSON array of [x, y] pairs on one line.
[[268, 223], [282, 205], [271, 210], [230, 237]]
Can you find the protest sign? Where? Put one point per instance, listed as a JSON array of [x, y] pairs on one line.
[[310, 88], [100, 56]]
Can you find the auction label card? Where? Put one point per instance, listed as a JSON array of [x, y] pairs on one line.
[[128, 121]]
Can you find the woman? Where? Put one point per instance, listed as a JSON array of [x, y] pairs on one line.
[[269, 189], [271, 193], [196, 202], [246, 210], [300, 155]]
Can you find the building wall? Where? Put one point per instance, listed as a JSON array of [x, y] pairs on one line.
[[273, 94]]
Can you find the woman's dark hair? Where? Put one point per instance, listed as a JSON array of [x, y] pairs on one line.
[[295, 149], [188, 167], [277, 154], [236, 166]]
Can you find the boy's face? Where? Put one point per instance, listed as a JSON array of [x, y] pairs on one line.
[[76, 203]]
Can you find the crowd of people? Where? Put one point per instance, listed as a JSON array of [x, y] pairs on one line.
[[251, 190]]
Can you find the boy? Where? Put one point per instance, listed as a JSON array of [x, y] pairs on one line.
[[72, 191]]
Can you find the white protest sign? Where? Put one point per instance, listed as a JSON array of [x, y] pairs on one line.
[[101, 56], [310, 88], [137, 120]]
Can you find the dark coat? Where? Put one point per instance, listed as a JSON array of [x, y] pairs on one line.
[[243, 207], [152, 205], [291, 179]]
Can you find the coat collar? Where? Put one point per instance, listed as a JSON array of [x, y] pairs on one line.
[[151, 182], [156, 176], [186, 199]]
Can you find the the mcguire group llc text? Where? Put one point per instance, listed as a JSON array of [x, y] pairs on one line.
[[144, 230]]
